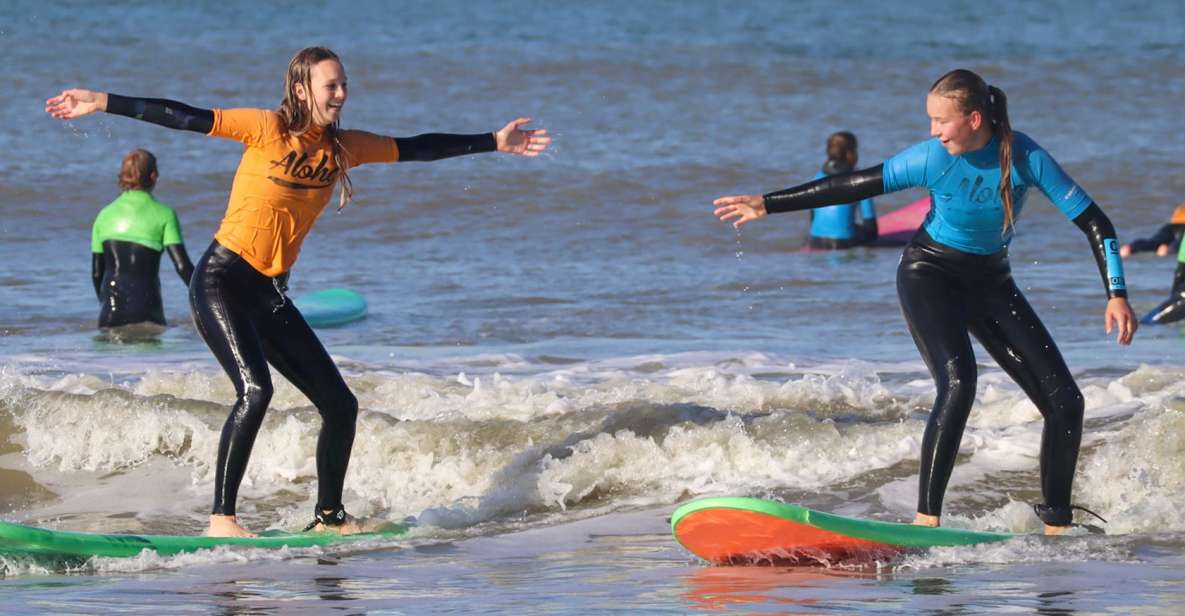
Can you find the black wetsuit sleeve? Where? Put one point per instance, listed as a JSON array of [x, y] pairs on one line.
[[1101, 234], [98, 265], [1164, 235], [831, 190], [435, 146], [181, 262], [167, 113]]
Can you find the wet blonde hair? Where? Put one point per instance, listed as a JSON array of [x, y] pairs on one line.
[[137, 171], [297, 115], [972, 93]]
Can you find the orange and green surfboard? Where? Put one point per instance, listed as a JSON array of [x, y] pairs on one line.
[[738, 530]]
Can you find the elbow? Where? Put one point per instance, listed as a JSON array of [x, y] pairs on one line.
[[1094, 223]]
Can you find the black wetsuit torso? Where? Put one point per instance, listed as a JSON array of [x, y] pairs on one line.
[[127, 283]]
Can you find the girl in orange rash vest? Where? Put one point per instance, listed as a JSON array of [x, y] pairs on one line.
[[291, 161]]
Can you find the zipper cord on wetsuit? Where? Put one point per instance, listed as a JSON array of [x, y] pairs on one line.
[[280, 283]]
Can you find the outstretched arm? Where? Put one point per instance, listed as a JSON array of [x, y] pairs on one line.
[[511, 139], [1164, 236], [181, 261], [435, 146], [831, 190], [76, 103], [1101, 234]]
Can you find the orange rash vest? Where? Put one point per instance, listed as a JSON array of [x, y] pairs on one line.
[[283, 182]]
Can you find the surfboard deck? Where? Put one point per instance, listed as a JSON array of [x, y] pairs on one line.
[[331, 307], [21, 540], [740, 530]]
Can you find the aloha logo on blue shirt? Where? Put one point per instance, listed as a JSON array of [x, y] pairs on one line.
[[977, 193]]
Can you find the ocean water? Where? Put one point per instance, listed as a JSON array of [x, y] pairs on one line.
[[560, 350]]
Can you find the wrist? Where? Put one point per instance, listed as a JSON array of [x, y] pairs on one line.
[[101, 101]]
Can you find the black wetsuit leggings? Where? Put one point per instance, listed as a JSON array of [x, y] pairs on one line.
[[248, 323], [946, 294]]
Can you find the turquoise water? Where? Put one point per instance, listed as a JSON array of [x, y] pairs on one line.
[[560, 350]]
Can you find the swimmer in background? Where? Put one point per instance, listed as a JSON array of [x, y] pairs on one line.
[[834, 227], [1166, 239], [126, 243], [1173, 308]]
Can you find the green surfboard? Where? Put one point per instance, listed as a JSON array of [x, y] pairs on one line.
[[738, 529], [20, 540]]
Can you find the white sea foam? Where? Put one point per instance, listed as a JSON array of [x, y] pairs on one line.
[[462, 449]]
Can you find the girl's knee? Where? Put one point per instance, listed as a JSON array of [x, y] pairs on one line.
[[341, 409], [956, 384], [256, 396], [1066, 405]]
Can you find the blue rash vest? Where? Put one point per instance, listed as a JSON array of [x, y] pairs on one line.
[[967, 213], [839, 221]]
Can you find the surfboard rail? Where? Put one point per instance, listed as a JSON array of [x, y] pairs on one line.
[[22, 540], [728, 529]]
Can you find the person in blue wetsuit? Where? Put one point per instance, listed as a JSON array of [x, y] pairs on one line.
[[834, 227], [954, 278]]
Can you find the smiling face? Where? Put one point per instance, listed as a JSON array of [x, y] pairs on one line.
[[959, 132], [326, 93]]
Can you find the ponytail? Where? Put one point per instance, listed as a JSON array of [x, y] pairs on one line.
[[998, 113]]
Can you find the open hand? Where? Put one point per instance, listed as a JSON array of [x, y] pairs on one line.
[[740, 209], [514, 140], [76, 103]]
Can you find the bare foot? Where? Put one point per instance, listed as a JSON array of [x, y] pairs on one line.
[[926, 520], [226, 526], [1161, 251], [1053, 531], [1125, 250]]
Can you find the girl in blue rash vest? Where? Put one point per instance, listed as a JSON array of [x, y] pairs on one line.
[[834, 227], [954, 278]]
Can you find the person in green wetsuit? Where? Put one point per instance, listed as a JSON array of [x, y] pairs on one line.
[[126, 243]]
